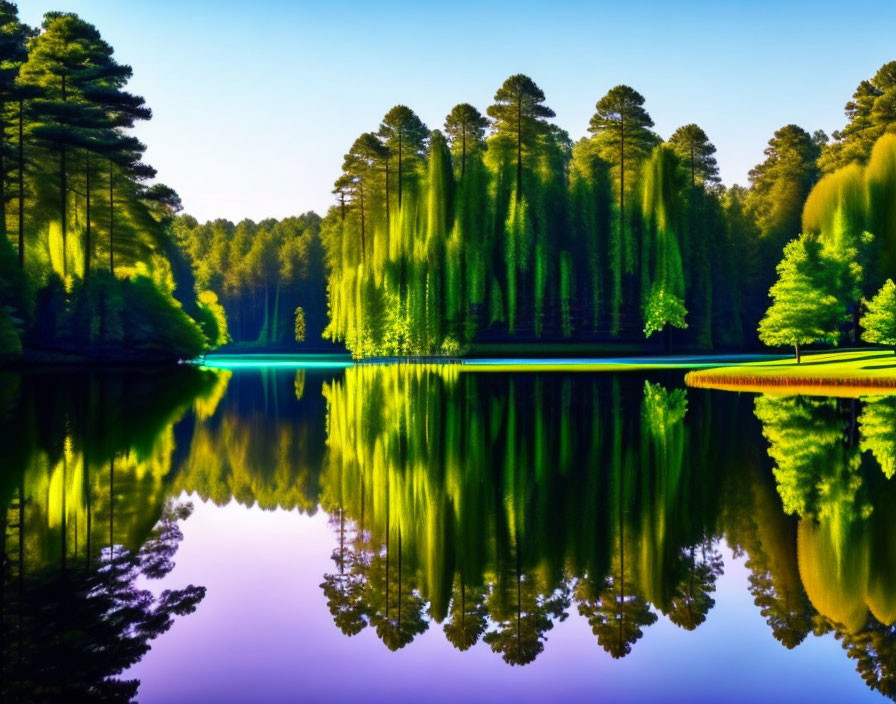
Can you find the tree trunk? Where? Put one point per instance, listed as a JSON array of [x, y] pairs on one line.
[[2, 180], [399, 170], [463, 151], [519, 150], [363, 234], [388, 214], [111, 219], [667, 338], [21, 183], [796, 348], [622, 183], [87, 242], [63, 198]]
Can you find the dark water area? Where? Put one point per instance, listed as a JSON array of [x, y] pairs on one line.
[[424, 533]]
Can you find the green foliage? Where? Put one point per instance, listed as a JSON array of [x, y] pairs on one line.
[[300, 324], [259, 273], [870, 113], [212, 320], [73, 196], [879, 321], [663, 308], [696, 152], [802, 310]]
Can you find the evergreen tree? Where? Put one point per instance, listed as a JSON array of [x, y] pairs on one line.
[[781, 183], [870, 113], [697, 154], [519, 113], [66, 60], [465, 128], [621, 129], [404, 135], [13, 53]]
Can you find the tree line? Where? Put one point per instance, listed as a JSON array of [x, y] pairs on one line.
[[269, 276], [499, 226], [87, 260]]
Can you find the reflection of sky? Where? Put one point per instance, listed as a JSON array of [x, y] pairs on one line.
[[264, 634]]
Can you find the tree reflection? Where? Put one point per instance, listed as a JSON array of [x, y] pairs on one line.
[[86, 517]]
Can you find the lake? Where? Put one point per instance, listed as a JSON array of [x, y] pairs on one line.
[[404, 532]]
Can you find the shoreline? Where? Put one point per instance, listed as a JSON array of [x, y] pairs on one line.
[[854, 372]]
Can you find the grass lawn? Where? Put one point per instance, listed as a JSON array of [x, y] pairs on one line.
[[840, 373]]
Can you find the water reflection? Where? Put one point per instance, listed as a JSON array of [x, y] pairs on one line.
[[489, 506], [86, 514]]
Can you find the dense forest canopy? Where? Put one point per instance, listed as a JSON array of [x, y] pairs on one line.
[[501, 227], [497, 226], [88, 264]]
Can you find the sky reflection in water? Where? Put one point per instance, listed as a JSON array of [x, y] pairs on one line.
[[545, 520]]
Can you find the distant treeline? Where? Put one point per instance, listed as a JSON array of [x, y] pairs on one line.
[[499, 226], [262, 273]]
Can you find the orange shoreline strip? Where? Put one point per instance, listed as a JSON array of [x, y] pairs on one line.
[[707, 379]]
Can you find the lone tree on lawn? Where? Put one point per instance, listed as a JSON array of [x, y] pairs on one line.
[[802, 310], [879, 322]]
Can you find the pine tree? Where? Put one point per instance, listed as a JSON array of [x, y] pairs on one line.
[[13, 53], [519, 113], [697, 154], [465, 128], [404, 135], [870, 113]]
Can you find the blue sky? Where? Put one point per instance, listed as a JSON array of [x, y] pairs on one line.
[[256, 102]]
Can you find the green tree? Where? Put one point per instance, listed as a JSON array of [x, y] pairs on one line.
[[621, 129], [697, 154], [802, 310], [879, 320], [13, 53], [465, 128], [519, 113], [870, 113], [67, 60], [300, 324], [779, 188], [403, 134], [361, 167]]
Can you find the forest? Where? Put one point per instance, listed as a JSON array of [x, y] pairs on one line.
[[500, 226], [89, 265], [496, 228]]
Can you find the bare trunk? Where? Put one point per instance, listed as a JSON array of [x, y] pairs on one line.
[[111, 219], [399, 170], [796, 348], [519, 150], [463, 153], [63, 198], [21, 183], [87, 243]]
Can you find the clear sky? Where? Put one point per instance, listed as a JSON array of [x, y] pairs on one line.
[[255, 103]]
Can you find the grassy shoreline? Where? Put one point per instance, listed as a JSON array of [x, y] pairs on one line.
[[842, 373]]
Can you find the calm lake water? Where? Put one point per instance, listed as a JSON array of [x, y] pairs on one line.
[[424, 533]]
